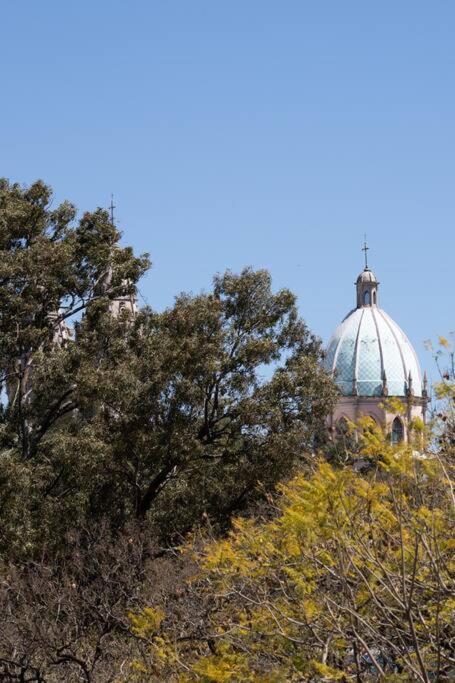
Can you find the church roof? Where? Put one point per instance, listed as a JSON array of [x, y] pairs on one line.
[[369, 352], [367, 275]]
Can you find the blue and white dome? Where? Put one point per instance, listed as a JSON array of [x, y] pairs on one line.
[[368, 353]]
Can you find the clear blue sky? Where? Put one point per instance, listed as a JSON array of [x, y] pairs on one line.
[[250, 132]]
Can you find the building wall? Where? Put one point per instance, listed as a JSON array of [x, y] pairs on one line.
[[354, 407]]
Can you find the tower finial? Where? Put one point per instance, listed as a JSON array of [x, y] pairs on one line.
[[365, 249], [111, 209]]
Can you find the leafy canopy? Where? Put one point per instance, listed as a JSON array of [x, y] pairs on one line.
[[167, 417]]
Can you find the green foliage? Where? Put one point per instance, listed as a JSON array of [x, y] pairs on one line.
[[190, 426], [167, 417]]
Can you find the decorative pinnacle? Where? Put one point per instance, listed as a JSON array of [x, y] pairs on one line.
[[425, 385], [365, 249], [385, 389], [410, 388]]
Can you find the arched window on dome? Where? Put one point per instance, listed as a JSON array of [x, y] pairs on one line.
[[374, 297], [367, 298], [397, 431]]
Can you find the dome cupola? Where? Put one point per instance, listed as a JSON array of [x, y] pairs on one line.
[[369, 354], [367, 288]]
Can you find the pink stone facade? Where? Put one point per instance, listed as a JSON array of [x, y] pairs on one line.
[[351, 408]]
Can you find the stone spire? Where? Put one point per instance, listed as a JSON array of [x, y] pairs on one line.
[[122, 302], [125, 302], [410, 387], [425, 385], [385, 388]]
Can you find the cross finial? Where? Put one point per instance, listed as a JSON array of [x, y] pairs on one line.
[[365, 249], [111, 209]]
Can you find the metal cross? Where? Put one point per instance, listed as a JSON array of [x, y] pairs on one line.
[[111, 209], [365, 249]]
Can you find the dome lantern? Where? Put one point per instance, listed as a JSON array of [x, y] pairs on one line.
[[367, 288], [366, 283]]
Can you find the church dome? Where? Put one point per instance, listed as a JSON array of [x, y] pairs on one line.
[[368, 353]]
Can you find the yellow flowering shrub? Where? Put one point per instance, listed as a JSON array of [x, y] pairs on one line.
[[352, 579]]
